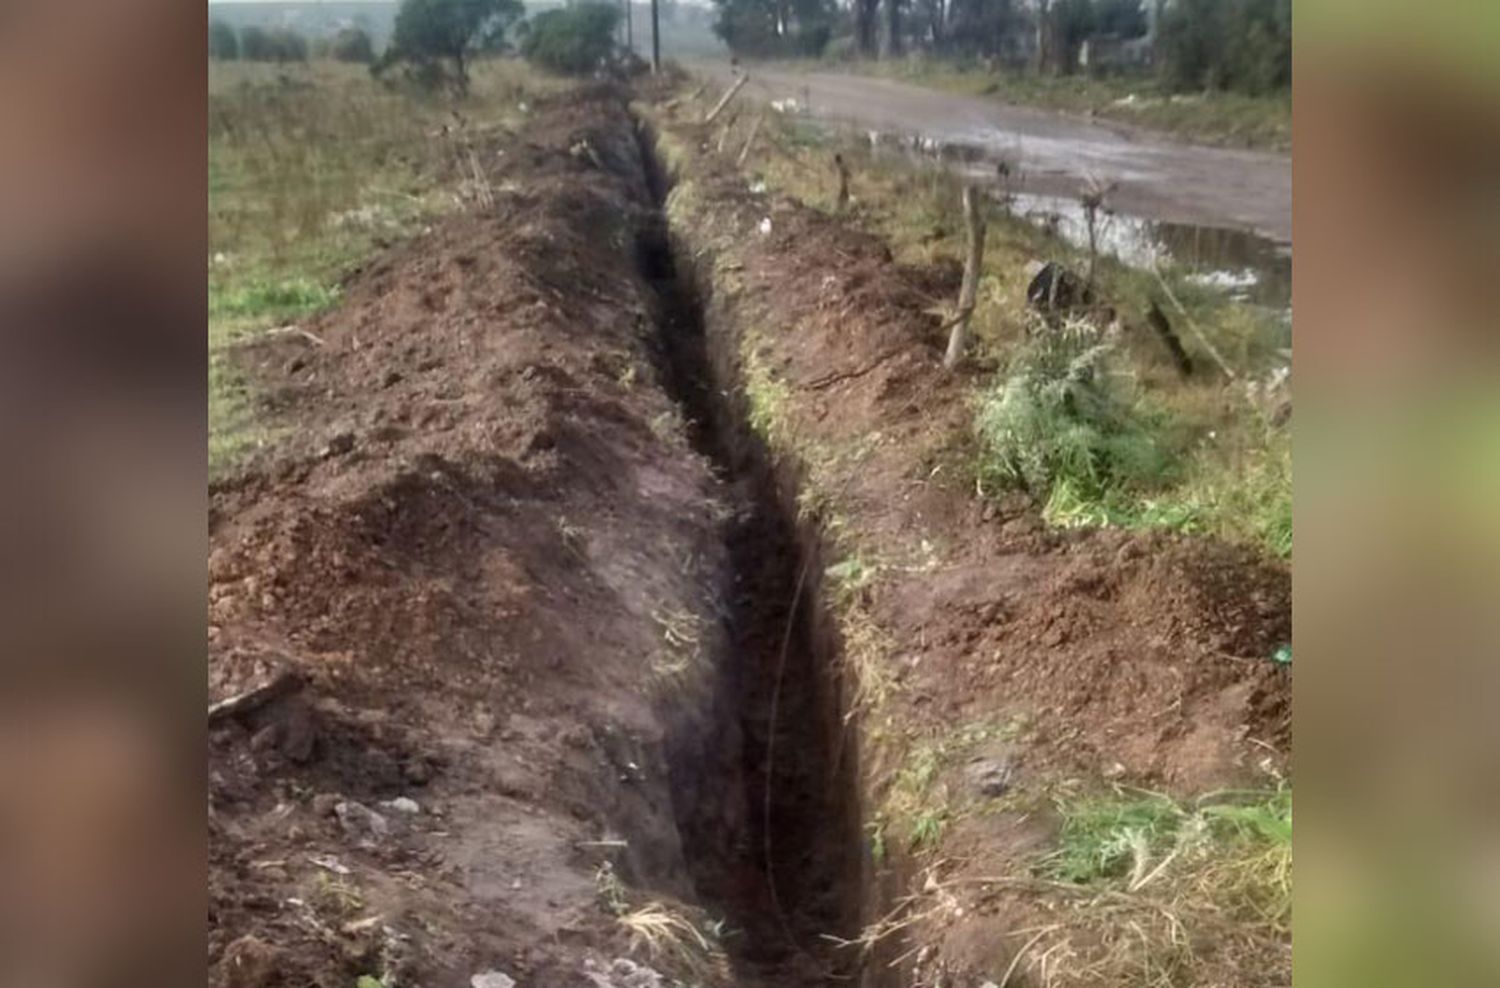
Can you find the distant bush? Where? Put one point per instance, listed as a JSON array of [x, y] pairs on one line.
[[277, 44], [352, 45], [571, 39], [223, 43]]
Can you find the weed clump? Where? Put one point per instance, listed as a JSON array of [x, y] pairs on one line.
[[1064, 418], [1231, 848]]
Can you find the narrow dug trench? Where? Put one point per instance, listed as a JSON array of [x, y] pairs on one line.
[[768, 809]]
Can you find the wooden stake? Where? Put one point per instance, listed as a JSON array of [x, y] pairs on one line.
[[724, 134], [724, 100], [969, 292], [843, 170], [750, 141], [1158, 321], [1212, 350]]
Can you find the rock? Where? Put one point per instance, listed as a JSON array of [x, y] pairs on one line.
[[339, 444], [990, 776], [249, 963], [324, 803], [360, 822], [1056, 289], [402, 804], [492, 979], [417, 771], [299, 732], [622, 973]]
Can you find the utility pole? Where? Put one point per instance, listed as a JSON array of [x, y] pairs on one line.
[[655, 37], [629, 28]]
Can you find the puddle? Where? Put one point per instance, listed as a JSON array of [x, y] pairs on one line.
[[1245, 266]]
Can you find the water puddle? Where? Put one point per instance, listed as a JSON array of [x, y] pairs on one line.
[[1245, 266]]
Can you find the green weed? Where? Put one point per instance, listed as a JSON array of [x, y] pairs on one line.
[[1064, 415], [1230, 848], [276, 300]]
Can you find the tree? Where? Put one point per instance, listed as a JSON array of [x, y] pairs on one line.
[[866, 26], [572, 39], [1072, 21], [775, 27], [1120, 18], [222, 41], [430, 34], [352, 45], [890, 39], [1244, 45]]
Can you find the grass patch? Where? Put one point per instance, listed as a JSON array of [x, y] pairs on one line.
[[1231, 849], [293, 298]]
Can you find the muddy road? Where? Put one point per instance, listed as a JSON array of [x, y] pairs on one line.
[[1158, 178]]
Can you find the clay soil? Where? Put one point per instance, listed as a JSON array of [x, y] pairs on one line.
[[537, 577], [488, 549]]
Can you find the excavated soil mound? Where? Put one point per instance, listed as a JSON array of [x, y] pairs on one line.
[[494, 565]]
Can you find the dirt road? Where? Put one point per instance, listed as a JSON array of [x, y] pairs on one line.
[[1158, 178]]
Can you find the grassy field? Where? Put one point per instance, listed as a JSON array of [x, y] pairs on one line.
[[311, 168], [1097, 426], [1220, 118]]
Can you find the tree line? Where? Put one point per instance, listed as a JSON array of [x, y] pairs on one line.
[[434, 41], [280, 44], [1242, 45]]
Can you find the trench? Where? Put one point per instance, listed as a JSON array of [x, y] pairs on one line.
[[767, 804]]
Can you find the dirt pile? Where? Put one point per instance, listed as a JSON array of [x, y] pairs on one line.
[[488, 549], [989, 655]]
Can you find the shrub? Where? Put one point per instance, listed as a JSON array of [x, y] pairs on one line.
[[1061, 417], [222, 41], [352, 45], [572, 40], [279, 44]]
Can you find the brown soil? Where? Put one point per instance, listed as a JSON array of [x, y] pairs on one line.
[[1110, 657], [492, 553], [542, 579]]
